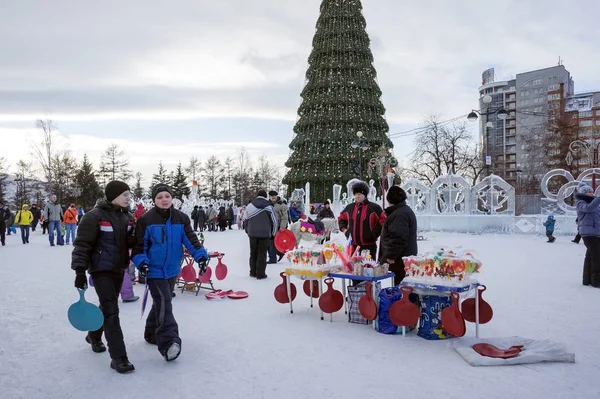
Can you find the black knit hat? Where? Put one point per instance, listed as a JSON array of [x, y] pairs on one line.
[[159, 188], [360, 187], [273, 193], [395, 195], [114, 189]]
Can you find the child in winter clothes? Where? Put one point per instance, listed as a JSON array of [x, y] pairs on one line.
[[161, 234], [102, 248], [24, 218], [549, 224]]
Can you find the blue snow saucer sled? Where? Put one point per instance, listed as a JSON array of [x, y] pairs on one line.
[[85, 316]]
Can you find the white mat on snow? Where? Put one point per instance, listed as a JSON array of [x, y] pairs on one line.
[[534, 351]]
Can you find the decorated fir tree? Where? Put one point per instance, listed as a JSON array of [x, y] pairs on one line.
[[341, 98]]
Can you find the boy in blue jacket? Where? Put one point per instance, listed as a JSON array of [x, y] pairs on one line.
[[161, 234], [549, 224]]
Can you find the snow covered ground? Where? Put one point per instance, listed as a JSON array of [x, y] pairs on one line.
[[254, 348]]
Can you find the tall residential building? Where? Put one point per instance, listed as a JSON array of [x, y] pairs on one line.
[[529, 99]]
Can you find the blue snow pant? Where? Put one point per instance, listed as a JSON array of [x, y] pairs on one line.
[[161, 325]]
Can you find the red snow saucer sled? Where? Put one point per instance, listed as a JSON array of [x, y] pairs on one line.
[[490, 350], [231, 294], [284, 240]]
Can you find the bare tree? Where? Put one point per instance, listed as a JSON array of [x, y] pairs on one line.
[[114, 165], [138, 190], [44, 151], [193, 168], [441, 148], [27, 186], [212, 176], [3, 178], [228, 168]]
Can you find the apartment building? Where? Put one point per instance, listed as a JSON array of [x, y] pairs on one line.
[[529, 99]]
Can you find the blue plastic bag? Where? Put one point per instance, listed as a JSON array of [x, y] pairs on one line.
[[387, 297], [430, 323]]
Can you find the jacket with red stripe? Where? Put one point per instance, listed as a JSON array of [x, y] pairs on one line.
[[363, 222], [104, 237]]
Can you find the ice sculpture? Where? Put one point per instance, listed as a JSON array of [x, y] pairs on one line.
[[557, 203], [451, 194], [493, 196], [417, 195]]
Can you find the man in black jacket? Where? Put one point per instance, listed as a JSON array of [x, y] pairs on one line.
[[399, 234], [104, 237], [35, 211], [261, 225]]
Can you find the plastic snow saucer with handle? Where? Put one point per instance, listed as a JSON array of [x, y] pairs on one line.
[[284, 240], [85, 316]]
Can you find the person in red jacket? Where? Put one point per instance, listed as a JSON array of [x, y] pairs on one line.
[[362, 220]]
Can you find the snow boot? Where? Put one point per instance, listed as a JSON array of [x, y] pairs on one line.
[[121, 365], [173, 352], [97, 347], [132, 299]]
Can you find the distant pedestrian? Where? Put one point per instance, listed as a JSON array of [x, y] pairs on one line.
[[24, 218], [260, 224], [549, 225]]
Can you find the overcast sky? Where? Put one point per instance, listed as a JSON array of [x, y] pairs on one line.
[[167, 80]]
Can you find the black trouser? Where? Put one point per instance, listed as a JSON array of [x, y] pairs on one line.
[[3, 233], [229, 221], [44, 227], [550, 236], [161, 324], [398, 269], [108, 286], [258, 256], [591, 264], [24, 234], [195, 224], [34, 224], [577, 238]]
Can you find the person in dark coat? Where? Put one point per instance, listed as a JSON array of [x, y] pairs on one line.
[[4, 218], [35, 211], [194, 217], [161, 235], [260, 223], [362, 220], [230, 216], [326, 212], [201, 219], [588, 215], [101, 248], [399, 233], [222, 218]]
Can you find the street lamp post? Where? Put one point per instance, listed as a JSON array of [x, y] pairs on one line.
[[362, 146], [500, 112]]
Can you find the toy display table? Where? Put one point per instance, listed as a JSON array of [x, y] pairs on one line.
[[309, 273], [347, 276], [464, 289]]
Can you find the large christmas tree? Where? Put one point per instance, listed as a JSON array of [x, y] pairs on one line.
[[341, 97]]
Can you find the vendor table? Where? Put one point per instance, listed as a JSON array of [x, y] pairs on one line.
[[308, 274], [463, 289], [347, 276]]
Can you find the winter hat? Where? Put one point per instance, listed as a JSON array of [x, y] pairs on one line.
[[395, 195], [326, 203], [159, 188], [114, 189], [261, 193], [584, 189], [360, 187], [273, 193]]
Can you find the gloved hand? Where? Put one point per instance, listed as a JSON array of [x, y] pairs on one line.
[[203, 255], [144, 270], [80, 280], [202, 266]]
